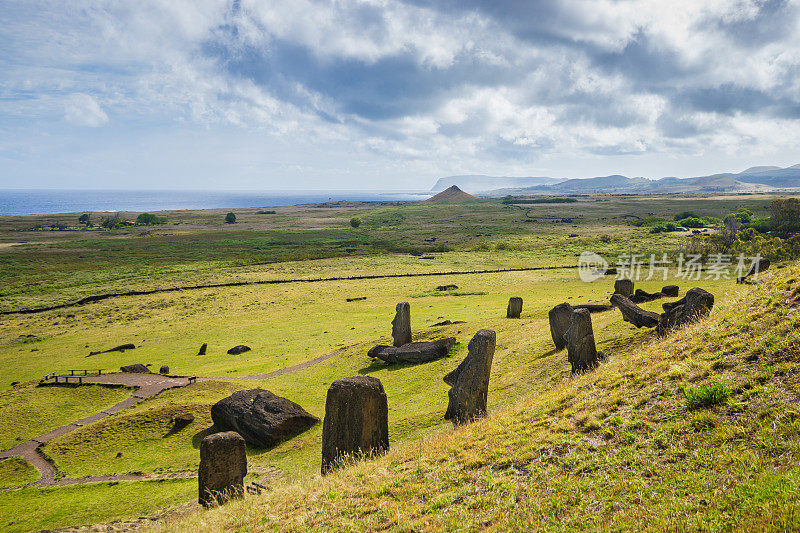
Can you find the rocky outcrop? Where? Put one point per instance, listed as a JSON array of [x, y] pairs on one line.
[[449, 287], [223, 465], [137, 368], [356, 421], [469, 382], [163, 370], [581, 350], [623, 287], [514, 309], [401, 325], [236, 350], [560, 317], [181, 421], [264, 419], [633, 313], [695, 305], [413, 352]]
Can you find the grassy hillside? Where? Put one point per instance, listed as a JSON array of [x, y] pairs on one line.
[[699, 430]]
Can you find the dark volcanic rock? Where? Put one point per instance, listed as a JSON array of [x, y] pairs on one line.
[[413, 352], [447, 323], [203, 349], [633, 313], [514, 307], [164, 369], [264, 419], [356, 299], [594, 308], [757, 266], [470, 380], [640, 296], [670, 290], [181, 421], [223, 465], [121, 348], [623, 287], [356, 420], [401, 325], [450, 287], [137, 368], [236, 350], [695, 305], [560, 317], [581, 350]]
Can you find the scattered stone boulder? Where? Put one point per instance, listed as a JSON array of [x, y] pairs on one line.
[[356, 420], [164, 370], [633, 313], [560, 318], [264, 419], [514, 307], [401, 325], [623, 287], [469, 382], [236, 350], [670, 290], [121, 348], [356, 299], [223, 465], [581, 350], [450, 287], [757, 266], [413, 352], [447, 323], [181, 421], [695, 305], [137, 368], [203, 349]]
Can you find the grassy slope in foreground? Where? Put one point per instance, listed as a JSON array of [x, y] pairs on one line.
[[618, 448]]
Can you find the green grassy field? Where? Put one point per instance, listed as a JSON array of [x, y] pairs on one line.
[[287, 324]]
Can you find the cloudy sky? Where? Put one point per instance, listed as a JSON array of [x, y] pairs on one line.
[[293, 94]]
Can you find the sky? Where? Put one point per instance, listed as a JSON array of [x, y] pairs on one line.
[[372, 94]]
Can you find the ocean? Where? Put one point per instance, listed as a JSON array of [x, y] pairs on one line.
[[50, 201]]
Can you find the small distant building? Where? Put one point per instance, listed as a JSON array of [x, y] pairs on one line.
[[129, 223]]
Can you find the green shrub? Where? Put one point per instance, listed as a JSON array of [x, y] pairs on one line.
[[265, 212], [685, 214], [355, 222], [149, 219], [705, 395], [84, 219], [230, 218]]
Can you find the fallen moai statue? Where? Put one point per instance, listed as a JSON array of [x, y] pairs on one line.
[[264, 419], [581, 350], [560, 317], [470, 380], [356, 420], [121, 348], [236, 350], [695, 305], [633, 313], [413, 352], [401, 325], [670, 290], [757, 266], [640, 296], [594, 308], [137, 368]]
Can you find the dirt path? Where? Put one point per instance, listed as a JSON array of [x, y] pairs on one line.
[[146, 386]]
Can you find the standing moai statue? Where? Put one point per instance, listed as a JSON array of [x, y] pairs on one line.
[[223, 465], [581, 350], [203, 349], [623, 287], [560, 318], [514, 307], [356, 420], [401, 325], [470, 380]]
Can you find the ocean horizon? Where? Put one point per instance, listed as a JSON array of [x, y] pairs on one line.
[[52, 201]]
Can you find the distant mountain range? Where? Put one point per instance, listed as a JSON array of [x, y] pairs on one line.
[[755, 179]]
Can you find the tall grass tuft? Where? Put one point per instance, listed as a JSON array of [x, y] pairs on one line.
[[706, 395]]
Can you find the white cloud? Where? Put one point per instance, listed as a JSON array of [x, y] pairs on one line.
[[83, 110]]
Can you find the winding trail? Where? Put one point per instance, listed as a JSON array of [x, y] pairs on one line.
[[146, 386]]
